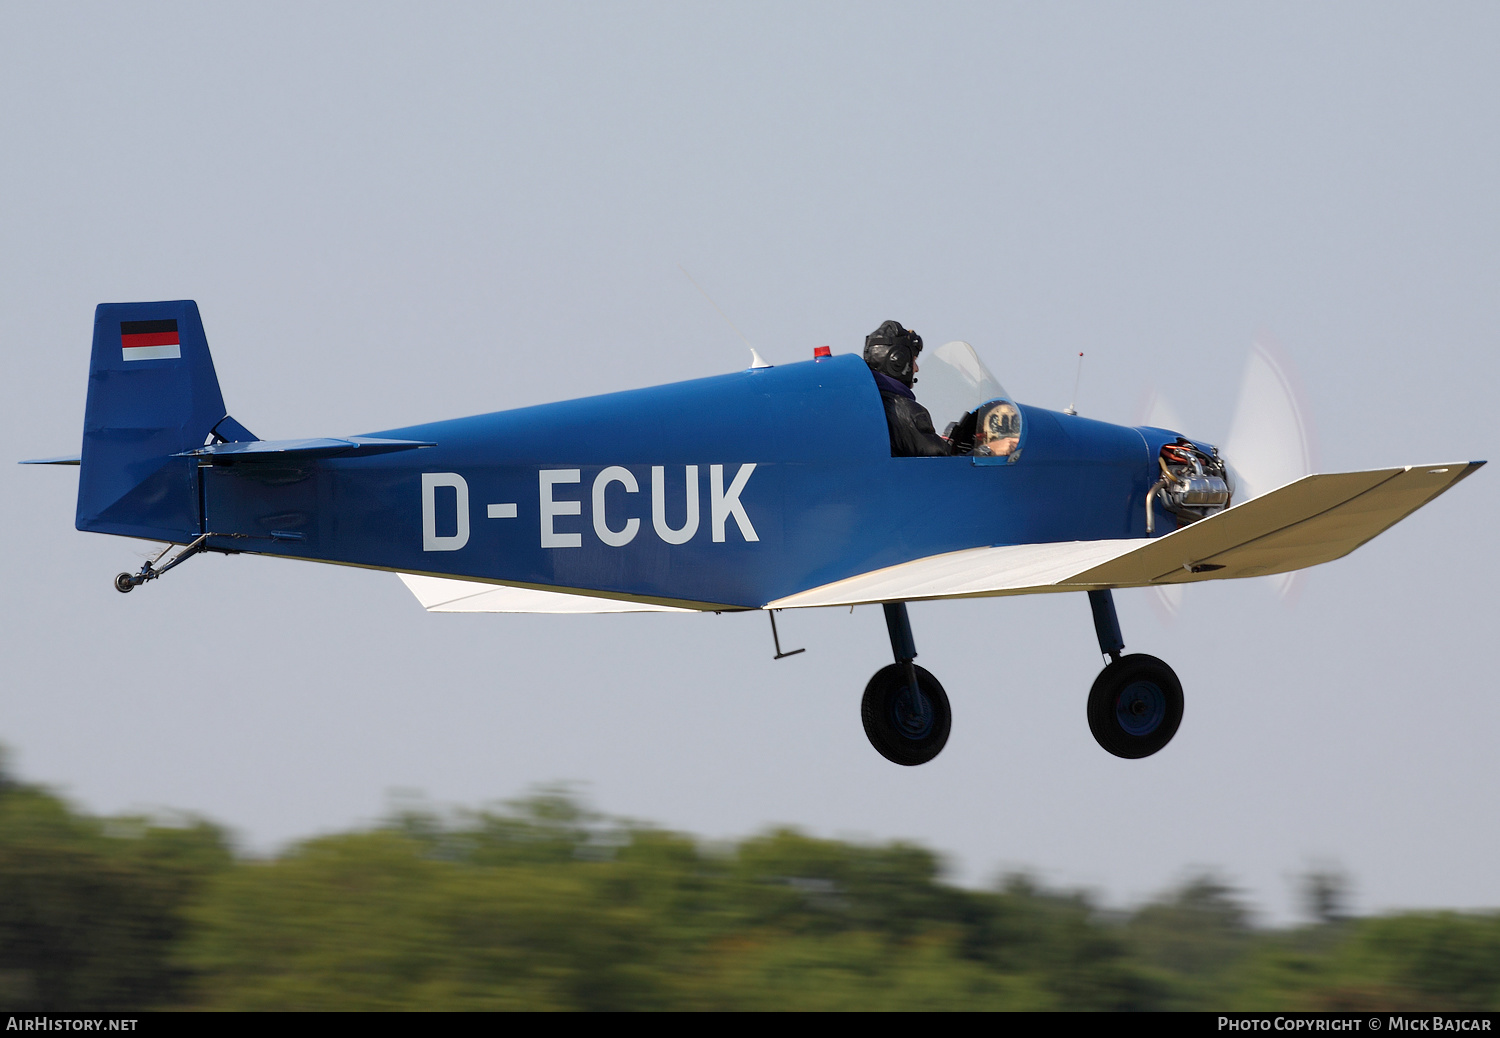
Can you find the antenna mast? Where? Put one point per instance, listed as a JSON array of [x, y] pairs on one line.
[[756, 360], [1073, 407]]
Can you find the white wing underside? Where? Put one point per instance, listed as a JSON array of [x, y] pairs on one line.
[[442, 595], [1315, 519]]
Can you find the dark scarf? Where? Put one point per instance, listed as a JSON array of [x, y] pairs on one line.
[[891, 386]]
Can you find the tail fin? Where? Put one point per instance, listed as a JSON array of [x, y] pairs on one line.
[[152, 394]]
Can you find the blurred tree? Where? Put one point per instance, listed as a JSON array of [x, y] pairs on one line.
[[1193, 937], [92, 911], [1197, 929], [549, 906], [1325, 895], [543, 904], [1063, 940], [1442, 960]]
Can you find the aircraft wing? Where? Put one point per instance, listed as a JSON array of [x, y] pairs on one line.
[[1316, 519], [444, 595]]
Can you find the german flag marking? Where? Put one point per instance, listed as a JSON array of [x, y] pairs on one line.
[[150, 340]]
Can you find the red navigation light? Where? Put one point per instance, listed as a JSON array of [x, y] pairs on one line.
[[822, 351]]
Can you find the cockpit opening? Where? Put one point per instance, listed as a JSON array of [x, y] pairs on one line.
[[952, 384]]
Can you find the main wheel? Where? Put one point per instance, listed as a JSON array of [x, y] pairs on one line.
[[906, 728], [1135, 706], [123, 583]]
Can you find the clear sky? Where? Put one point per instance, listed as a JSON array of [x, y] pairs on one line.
[[396, 213]]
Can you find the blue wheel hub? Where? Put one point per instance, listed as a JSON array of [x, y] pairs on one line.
[[1141, 708], [912, 713]]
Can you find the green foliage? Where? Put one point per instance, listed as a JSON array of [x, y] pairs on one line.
[[91, 914], [1195, 937], [545, 905], [1417, 961], [1451, 960]]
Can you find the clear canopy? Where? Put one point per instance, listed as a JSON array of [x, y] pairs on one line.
[[952, 381]]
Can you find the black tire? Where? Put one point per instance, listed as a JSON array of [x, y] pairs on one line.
[[901, 734], [123, 583], [1135, 706]]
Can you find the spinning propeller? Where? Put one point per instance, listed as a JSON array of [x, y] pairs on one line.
[[1269, 443]]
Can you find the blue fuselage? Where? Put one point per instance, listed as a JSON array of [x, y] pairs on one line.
[[730, 491]]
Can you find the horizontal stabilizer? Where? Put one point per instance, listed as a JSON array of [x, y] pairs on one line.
[[287, 450], [67, 459], [1313, 520], [442, 595]]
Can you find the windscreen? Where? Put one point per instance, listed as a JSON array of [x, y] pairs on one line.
[[952, 381]]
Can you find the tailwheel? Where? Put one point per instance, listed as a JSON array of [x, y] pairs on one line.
[[1135, 706], [906, 726]]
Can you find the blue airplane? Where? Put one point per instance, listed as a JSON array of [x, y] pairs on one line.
[[771, 488]]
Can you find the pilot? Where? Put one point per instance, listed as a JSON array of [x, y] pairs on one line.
[[891, 352]]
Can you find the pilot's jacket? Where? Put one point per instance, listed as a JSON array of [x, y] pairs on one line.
[[912, 434]]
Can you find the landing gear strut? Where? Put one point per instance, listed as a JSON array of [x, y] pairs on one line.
[[905, 710], [1135, 705], [126, 582]]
